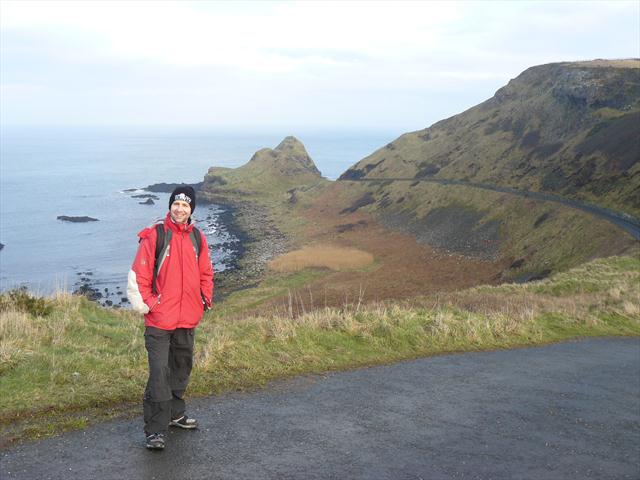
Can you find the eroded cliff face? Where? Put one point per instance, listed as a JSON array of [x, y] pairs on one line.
[[567, 128]]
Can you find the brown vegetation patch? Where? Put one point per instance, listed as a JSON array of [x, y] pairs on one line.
[[404, 267], [321, 256]]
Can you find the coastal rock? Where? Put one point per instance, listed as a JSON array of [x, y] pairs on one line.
[[83, 219], [146, 195], [288, 158], [170, 187], [1, 246], [147, 202], [274, 171], [89, 292]]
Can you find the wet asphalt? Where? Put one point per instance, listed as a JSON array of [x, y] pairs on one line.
[[564, 411]]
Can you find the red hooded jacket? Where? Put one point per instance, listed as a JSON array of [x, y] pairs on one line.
[[184, 282]]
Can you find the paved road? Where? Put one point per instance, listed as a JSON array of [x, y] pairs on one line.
[[565, 411], [623, 220]]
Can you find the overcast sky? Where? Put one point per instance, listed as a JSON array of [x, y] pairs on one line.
[[266, 65]]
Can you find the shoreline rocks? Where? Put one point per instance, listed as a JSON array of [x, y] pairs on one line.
[[170, 187], [146, 195], [261, 241]]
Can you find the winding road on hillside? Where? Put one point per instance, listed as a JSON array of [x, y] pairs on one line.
[[569, 410], [622, 220]]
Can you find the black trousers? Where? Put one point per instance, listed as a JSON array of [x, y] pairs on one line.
[[170, 361]]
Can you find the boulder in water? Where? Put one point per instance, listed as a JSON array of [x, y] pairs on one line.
[[83, 219]]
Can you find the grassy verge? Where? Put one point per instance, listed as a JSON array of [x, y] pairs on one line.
[[80, 363]]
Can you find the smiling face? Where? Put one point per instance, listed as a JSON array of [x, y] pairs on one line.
[[180, 211]]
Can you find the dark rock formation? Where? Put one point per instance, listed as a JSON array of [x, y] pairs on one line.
[[146, 195], [84, 219], [170, 187], [366, 199], [89, 292]]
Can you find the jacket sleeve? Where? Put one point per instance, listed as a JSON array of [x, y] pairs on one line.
[[206, 273], [139, 283]]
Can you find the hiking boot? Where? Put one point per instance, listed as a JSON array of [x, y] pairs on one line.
[[184, 422], [155, 441]]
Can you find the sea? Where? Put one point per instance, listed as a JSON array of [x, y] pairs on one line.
[[54, 171]]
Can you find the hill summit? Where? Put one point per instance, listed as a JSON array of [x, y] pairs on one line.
[[288, 158], [269, 171]]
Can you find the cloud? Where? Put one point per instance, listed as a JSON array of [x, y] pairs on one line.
[[301, 60]]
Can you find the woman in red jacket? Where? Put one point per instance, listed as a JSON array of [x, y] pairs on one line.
[[172, 295]]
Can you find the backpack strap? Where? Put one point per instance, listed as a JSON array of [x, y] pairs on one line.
[[162, 250], [196, 239]]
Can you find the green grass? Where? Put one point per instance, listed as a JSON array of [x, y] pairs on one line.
[[83, 363], [272, 286]]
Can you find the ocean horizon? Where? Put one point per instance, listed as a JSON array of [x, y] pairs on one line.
[[46, 172]]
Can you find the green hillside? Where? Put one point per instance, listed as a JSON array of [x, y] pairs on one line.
[[571, 129], [270, 174]]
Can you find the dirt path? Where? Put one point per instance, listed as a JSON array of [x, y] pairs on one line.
[[569, 410]]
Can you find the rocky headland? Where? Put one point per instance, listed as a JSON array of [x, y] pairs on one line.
[[269, 175]]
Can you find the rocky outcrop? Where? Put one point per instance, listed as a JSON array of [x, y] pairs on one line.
[[288, 158], [269, 172], [83, 219], [146, 195], [169, 187]]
